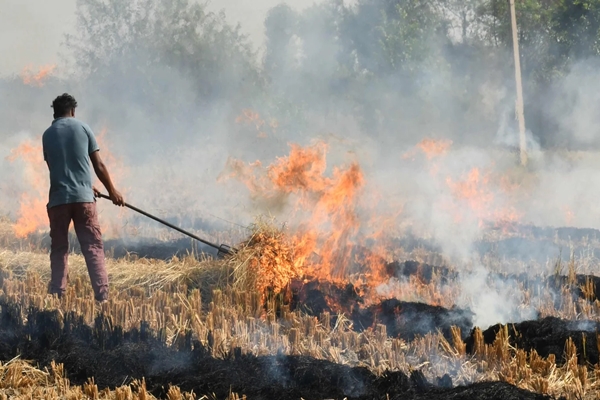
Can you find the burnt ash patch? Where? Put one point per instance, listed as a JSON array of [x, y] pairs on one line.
[[115, 357], [575, 285], [316, 297], [408, 320], [481, 390], [422, 271], [548, 336], [402, 319]]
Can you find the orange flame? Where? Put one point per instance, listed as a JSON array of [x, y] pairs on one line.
[[32, 205], [326, 240], [431, 148], [29, 77], [474, 195], [476, 192], [472, 190]]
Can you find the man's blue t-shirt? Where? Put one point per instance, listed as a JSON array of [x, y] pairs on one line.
[[67, 145]]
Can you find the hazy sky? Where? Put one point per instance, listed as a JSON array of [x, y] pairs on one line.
[[31, 31]]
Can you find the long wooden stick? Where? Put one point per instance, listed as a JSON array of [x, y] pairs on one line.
[[223, 249]]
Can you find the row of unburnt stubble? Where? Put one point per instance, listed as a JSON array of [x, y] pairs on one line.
[[238, 319]]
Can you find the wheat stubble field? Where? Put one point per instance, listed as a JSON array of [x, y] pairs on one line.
[[197, 327]]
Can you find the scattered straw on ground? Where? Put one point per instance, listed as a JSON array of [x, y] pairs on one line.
[[123, 273]]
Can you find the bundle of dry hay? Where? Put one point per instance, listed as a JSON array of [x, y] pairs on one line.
[[266, 261]]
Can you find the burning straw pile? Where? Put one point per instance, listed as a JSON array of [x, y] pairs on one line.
[[266, 261]]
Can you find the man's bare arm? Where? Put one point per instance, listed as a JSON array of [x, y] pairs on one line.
[[104, 176]]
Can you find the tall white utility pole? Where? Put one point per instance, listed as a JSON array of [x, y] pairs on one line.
[[519, 105]]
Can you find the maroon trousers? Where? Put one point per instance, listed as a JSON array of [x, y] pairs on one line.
[[85, 221]]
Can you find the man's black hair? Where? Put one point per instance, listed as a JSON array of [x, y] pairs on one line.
[[63, 104]]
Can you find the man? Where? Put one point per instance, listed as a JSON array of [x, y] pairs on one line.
[[69, 148]]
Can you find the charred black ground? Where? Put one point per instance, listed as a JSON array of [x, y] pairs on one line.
[[402, 319], [114, 357], [410, 319], [549, 336]]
